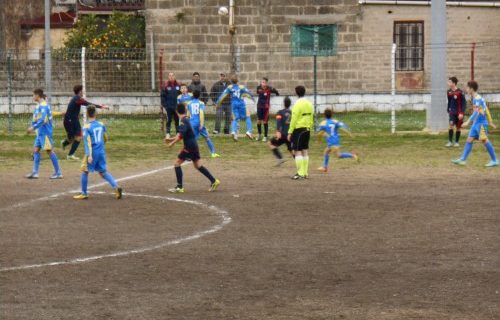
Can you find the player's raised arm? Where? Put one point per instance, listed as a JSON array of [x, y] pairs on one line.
[[223, 96], [246, 93], [273, 90]]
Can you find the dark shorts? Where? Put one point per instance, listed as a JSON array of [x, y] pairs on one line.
[[73, 128], [300, 139], [278, 142], [189, 155], [263, 113], [453, 118]]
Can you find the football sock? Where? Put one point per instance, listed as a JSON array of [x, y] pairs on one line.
[[234, 126], [84, 181], [450, 135], [74, 146], [266, 129], [211, 146], [298, 163], [65, 142], [467, 150], [344, 155], [109, 178], [457, 136], [206, 173], [277, 153], [36, 161], [305, 166], [491, 151], [259, 128], [55, 163], [178, 175], [326, 159], [249, 124]]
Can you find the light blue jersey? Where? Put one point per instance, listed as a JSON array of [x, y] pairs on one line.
[[195, 108], [94, 137], [331, 128], [236, 93], [42, 119], [184, 99]]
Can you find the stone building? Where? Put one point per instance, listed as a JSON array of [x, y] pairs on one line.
[[195, 38]]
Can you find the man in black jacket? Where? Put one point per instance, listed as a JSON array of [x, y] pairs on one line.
[[225, 108], [169, 94], [197, 85]]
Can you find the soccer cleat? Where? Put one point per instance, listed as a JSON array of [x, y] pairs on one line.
[[264, 139], [63, 146], [235, 136], [176, 190], [118, 193], [56, 176], [215, 155], [249, 135], [167, 136], [492, 164], [214, 185], [279, 162], [456, 144], [32, 176], [298, 177], [72, 157], [449, 144], [323, 169], [215, 132], [81, 196], [258, 138], [459, 162]]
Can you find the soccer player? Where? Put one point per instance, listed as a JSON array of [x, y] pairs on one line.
[[330, 129], [42, 124], [480, 119], [240, 111], [282, 124], [169, 94], [185, 97], [456, 110], [72, 121], [196, 115], [263, 105], [94, 138], [299, 132], [190, 151]]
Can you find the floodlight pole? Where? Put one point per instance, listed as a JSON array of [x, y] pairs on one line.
[[232, 31], [315, 76], [48, 53], [436, 114]]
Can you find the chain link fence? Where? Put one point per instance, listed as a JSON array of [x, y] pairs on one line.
[[129, 81]]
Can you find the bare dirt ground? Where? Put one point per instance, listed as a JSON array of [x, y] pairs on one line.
[[358, 243]]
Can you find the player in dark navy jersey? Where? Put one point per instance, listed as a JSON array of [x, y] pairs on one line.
[[282, 124], [72, 121], [190, 151]]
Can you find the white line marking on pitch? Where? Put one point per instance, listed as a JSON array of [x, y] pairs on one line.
[[222, 213]]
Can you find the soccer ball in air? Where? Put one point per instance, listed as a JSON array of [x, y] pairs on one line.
[[223, 11]]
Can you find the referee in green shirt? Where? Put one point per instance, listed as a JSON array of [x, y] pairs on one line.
[[300, 132]]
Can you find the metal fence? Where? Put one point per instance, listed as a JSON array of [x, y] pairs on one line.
[[360, 83]]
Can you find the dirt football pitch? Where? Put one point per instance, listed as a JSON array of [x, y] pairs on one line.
[[361, 242]]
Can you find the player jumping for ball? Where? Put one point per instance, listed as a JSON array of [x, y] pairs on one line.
[[190, 151], [72, 121], [263, 105], [456, 109], [42, 124], [480, 120], [330, 129], [196, 115], [282, 124], [94, 138], [240, 111], [185, 97]]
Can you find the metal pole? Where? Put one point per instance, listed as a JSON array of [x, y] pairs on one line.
[[316, 47], [393, 89], [436, 114], [48, 52], [9, 91], [472, 58], [84, 81], [153, 83]]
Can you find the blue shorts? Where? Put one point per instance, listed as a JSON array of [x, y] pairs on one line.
[[197, 132], [44, 142], [240, 111], [479, 131], [98, 163], [333, 142]]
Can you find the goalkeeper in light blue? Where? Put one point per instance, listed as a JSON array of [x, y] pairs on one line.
[[236, 93], [94, 138], [196, 115], [329, 128], [480, 120], [42, 125]]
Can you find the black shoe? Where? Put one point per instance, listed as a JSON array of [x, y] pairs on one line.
[[297, 177], [226, 131]]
